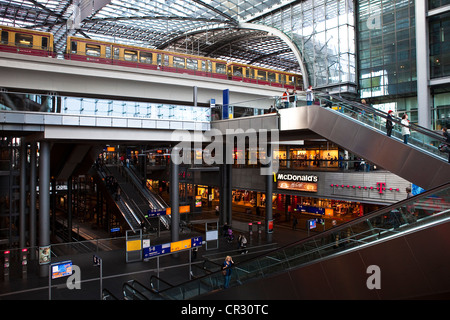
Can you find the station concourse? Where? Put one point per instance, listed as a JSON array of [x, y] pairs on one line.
[[142, 141]]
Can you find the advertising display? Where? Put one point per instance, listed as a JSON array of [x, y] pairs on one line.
[[297, 186], [61, 269], [44, 255], [297, 182]]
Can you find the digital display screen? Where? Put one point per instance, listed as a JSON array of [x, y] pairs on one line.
[[61, 269]]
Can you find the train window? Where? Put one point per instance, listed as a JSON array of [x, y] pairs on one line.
[[4, 37], [272, 77], [24, 40], [93, 50], [166, 60], [221, 68], [191, 64], [146, 57], [108, 52], [73, 47], [262, 75], [250, 73], [178, 62], [44, 43], [237, 71], [206, 65], [116, 53], [130, 55]]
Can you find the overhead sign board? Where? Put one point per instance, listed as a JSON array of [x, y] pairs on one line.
[[170, 247]]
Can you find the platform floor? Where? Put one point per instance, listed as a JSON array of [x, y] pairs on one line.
[[116, 270]]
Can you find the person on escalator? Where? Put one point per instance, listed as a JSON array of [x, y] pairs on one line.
[[447, 141], [405, 128], [389, 124]]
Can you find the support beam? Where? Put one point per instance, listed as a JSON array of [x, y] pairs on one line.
[[174, 202], [44, 201], [33, 179], [23, 192], [269, 191], [422, 64]]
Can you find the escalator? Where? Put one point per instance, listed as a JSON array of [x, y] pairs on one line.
[[153, 199], [122, 203], [361, 129], [407, 241]]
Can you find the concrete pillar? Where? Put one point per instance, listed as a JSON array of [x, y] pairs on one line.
[[69, 208], [44, 201], [174, 202], [33, 178], [269, 191], [23, 193], [422, 64]]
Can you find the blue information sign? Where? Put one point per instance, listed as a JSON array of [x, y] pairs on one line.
[[161, 249], [156, 213]]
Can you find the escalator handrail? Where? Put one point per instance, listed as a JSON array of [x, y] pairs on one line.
[[159, 279], [329, 232], [371, 110]]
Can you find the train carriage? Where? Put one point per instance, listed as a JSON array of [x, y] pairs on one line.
[[265, 76], [112, 53], [25, 41]]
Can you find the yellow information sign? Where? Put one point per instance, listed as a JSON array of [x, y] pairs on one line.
[[134, 245], [182, 209], [180, 245]]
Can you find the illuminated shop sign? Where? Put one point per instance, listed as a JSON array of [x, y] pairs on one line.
[[297, 177], [380, 186]]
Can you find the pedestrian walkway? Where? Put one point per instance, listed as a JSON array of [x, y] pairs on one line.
[[174, 269]]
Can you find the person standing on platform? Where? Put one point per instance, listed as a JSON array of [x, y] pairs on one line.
[[285, 99], [309, 96], [389, 124], [405, 128], [226, 271]]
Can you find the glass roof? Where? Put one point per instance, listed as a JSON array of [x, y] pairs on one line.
[[204, 27]]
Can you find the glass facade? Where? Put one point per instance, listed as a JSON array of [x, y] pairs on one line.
[[386, 48], [324, 32], [439, 38]]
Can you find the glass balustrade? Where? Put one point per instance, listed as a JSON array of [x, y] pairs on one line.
[[421, 211]]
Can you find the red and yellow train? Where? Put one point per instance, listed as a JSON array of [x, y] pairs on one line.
[[39, 43]]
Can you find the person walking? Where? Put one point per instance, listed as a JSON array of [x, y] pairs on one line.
[[389, 124], [226, 271], [405, 128]]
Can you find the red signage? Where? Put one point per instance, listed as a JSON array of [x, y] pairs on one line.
[[381, 187]]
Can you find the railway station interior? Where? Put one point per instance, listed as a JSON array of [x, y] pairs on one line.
[[143, 142]]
